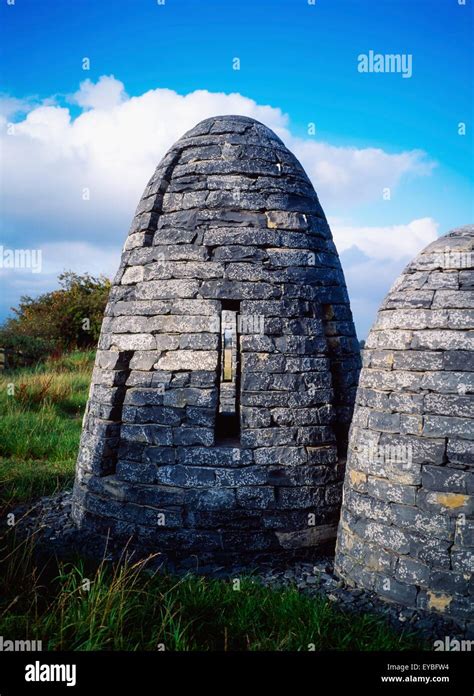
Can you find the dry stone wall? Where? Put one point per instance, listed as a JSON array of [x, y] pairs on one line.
[[217, 435], [407, 521]]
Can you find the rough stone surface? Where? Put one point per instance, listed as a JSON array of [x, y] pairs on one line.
[[406, 529], [228, 222]]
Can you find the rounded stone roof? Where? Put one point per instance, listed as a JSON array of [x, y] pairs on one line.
[[228, 361], [231, 163], [406, 529]]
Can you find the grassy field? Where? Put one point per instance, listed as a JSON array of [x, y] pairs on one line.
[[70, 606], [40, 425]]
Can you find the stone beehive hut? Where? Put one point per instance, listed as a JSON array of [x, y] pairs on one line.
[[227, 363], [406, 529]]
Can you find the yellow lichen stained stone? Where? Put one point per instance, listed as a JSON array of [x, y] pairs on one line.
[[357, 477], [271, 224], [452, 500], [438, 602]]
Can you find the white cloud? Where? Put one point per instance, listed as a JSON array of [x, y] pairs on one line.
[[356, 175], [74, 256], [105, 94], [114, 145], [81, 258], [9, 106], [395, 242], [373, 257], [12, 106], [112, 148]]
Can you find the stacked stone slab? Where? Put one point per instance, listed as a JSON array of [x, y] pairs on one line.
[[229, 219], [406, 528]]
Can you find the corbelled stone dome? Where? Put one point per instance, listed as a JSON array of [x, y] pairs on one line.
[[227, 364], [406, 528]]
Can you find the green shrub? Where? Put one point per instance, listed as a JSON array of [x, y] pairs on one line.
[[60, 320]]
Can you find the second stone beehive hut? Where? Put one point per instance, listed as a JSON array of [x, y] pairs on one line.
[[227, 364], [407, 523]]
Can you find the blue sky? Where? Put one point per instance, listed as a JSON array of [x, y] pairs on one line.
[[298, 58]]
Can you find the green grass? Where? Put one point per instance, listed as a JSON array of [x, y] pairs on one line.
[[126, 607], [24, 480], [40, 425]]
